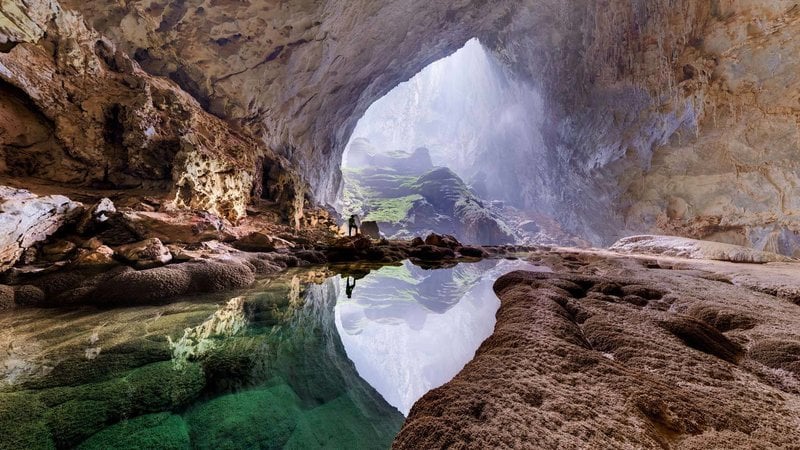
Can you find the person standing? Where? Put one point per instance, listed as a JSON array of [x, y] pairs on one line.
[[352, 224]]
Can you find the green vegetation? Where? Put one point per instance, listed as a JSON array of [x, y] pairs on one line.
[[163, 431], [391, 210], [381, 196], [259, 419], [22, 422]]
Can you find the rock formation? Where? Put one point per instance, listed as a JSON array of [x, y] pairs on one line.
[[26, 219], [613, 352], [408, 196], [674, 116]]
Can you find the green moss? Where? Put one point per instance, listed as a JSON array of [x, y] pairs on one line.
[[391, 210], [163, 431], [22, 423], [341, 424], [76, 420], [162, 386], [78, 412], [111, 362], [259, 419]]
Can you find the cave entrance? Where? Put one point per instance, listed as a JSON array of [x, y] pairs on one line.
[[427, 157]]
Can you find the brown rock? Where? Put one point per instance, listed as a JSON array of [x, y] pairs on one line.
[[6, 297], [370, 229], [98, 257], [261, 242], [442, 240], [145, 254], [26, 219]]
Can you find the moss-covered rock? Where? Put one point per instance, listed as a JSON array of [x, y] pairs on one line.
[[76, 420], [81, 411], [22, 423], [340, 424], [260, 419], [164, 431]]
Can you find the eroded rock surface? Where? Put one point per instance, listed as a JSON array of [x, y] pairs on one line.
[[636, 357], [26, 219], [693, 248]]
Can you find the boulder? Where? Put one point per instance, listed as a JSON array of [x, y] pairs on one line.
[[99, 213], [145, 254], [432, 253], [261, 242], [442, 240], [472, 252], [98, 257], [370, 229], [26, 219], [57, 251]]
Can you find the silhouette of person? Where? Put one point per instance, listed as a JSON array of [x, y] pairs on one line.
[[351, 225], [349, 288]]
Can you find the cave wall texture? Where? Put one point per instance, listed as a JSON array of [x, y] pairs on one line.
[[677, 116]]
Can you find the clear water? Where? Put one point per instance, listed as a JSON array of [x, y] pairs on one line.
[[292, 363]]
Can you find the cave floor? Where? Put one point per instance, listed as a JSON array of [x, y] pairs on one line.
[[628, 351]]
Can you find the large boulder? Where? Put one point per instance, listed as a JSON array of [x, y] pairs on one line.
[[261, 242], [26, 219], [370, 229]]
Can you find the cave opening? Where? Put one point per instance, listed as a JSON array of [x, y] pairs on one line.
[[440, 153]]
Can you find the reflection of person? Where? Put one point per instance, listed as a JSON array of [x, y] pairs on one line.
[[349, 288], [351, 225]]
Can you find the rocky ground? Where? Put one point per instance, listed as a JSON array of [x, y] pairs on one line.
[[59, 252], [628, 351], [643, 349]]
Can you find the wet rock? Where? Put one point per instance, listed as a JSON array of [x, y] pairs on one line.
[[261, 242], [442, 240], [145, 254], [26, 219], [431, 253], [472, 252]]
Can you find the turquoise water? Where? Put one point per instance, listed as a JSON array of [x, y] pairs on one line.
[[294, 362]]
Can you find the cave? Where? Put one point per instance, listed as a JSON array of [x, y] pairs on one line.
[[374, 224]]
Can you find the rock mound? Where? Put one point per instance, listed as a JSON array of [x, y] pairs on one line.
[[694, 249]]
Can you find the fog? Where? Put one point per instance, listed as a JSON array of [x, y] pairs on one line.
[[473, 117]]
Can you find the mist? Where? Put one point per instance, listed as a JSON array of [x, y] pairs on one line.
[[473, 117]]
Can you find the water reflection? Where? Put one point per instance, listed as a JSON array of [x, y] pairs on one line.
[[292, 362], [409, 330]]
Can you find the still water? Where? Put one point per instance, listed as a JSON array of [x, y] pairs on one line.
[[326, 357]]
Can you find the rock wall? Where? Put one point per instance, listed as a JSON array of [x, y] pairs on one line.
[[77, 111], [674, 116]]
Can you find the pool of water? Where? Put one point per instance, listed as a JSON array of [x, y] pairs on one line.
[[313, 358]]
